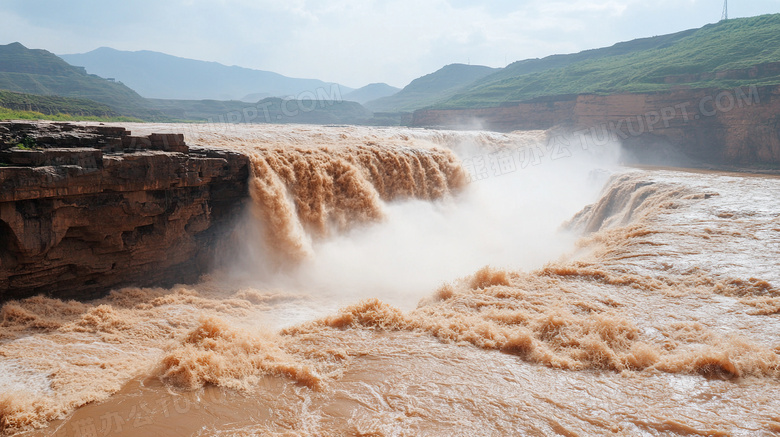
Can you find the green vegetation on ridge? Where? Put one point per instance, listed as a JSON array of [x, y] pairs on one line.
[[431, 88], [53, 105], [40, 72], [11, 114], [636, 66], [19, 106], [268, 110], [42, 86]]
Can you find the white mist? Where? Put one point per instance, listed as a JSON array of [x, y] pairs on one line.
[[509, 220]]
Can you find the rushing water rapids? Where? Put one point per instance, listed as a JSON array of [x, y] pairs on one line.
[[356, 299]]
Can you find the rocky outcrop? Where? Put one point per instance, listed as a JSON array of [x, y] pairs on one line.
[[84, 209], [739, 127]]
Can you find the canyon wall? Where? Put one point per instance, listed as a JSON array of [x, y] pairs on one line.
[[732, 127], [84, 209]]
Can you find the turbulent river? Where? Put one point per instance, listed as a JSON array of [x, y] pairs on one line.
[[402, 282]]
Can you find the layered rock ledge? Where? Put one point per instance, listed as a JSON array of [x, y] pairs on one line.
[[84, 209], [721, 128]]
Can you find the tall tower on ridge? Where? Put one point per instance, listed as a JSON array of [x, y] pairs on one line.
[[725, 15]]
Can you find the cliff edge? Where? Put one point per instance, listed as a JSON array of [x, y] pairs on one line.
[[726, 128], [84, 209]]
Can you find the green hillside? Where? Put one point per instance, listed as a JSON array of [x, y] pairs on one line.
[[269, 110], [19, 106], [53, 105], [38, 84], [529, 66], [431, 89], [637, 66], [11, 114], [40, 72]]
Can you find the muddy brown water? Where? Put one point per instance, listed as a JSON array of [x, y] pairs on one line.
[[651, 310]]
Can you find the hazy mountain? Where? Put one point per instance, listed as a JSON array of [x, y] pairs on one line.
[[254, 97], [430, 89], [370, 92], [43, 73], [689, 58], [158, 75]]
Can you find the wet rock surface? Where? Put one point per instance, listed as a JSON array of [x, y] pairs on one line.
[[84, 209]]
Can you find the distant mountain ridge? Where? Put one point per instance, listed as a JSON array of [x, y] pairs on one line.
[[724, 55], [709, 56], [39, 72], [431, 88], [162, 76], [38, 83], [370, 92]]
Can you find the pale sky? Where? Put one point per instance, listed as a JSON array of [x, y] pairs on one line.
[[354, 42]]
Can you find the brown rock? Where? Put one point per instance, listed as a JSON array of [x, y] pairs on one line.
[[737, 127], [78, 221]]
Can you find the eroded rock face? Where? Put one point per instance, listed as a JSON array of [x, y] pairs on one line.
[[739, 127], [84, 209]]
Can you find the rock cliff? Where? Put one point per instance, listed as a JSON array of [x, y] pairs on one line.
[[84, 209], [733, 127]]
